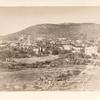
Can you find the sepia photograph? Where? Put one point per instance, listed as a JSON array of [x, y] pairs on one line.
[[54, 48]]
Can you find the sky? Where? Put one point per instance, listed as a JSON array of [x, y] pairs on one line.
[[13, 19]]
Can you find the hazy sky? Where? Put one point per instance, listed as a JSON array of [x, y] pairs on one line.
[[13, 19]]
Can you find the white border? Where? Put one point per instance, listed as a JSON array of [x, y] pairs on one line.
[[48, 3], [49, 95]]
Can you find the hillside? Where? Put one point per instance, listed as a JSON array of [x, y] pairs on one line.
[[68, 30]]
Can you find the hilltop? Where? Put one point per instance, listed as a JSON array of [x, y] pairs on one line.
[[68, 30]]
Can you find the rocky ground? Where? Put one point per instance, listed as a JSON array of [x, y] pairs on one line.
[[88, 80], [70, 78]]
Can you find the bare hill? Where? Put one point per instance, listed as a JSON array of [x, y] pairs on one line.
[[68, 30]]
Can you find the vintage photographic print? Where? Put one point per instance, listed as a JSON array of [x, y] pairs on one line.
[[53, 48]]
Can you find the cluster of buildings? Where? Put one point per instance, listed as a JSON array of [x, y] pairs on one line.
[[42, 46]]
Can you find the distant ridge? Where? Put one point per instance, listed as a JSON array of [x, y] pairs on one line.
[[67, 30]]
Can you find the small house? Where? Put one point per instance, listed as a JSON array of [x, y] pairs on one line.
[[91, 50]]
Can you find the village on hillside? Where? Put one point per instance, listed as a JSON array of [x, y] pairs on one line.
[[45, 47], [50, 48], [76, 51], [54, 62]]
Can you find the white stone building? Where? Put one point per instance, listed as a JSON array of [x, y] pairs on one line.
[[67, 47], [91, 50]]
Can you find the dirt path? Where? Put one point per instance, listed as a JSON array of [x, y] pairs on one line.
[[89, 80]]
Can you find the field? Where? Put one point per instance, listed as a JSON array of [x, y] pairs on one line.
[[38, 79], [55, 75]]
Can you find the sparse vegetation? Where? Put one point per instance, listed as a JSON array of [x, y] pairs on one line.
[[44, 64]]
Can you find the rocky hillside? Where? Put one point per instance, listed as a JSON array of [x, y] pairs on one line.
[[68, 30]]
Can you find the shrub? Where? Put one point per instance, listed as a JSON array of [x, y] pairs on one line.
[[63, 76], [76, 72]]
